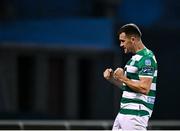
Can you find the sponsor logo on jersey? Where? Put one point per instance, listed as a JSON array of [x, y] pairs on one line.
[[148, 70]]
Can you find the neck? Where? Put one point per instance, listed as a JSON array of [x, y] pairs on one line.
[[139, 46]]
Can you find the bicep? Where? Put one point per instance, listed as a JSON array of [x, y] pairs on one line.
[[146, 82]]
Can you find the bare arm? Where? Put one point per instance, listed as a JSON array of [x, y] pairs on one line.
[[141, 86], [115, 82]]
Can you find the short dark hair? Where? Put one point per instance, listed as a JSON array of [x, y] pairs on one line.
[[130, 29]]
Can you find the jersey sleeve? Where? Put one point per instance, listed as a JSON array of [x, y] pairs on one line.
[[146, 67]]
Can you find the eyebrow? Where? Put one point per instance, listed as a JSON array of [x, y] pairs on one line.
[[122, 40]]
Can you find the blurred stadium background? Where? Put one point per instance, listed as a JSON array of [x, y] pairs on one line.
[[53, 54]]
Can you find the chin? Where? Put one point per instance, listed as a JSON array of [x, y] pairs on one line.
[[125, 51]]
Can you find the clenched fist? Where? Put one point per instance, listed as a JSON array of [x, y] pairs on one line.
[[108, 73], [118, 73]]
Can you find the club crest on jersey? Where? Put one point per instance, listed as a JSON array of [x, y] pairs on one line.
[[148, 62]]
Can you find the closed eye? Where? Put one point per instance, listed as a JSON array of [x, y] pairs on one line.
[[122, 41]]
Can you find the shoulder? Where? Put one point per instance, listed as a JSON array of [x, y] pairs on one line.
[[148, 60], [149, 55]]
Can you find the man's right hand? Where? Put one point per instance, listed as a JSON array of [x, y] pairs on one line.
[[108, 74]]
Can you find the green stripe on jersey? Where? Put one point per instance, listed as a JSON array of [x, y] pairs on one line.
[[138, 101], [152, 93], [134, 112], [154, 79], [132, 76]]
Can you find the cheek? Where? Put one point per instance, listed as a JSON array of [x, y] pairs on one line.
[[127, 45]]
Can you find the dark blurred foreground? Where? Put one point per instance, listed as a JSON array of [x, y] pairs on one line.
[[78, 125]]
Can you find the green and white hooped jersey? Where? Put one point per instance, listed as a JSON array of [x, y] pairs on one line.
[[142, 64]]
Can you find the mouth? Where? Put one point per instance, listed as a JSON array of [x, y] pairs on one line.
[[124, 48]]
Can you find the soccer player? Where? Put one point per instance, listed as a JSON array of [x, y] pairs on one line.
[[137, 80]]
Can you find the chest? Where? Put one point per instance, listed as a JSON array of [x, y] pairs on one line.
[[131, 68]]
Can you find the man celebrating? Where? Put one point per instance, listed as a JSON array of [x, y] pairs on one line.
[[137, 80]]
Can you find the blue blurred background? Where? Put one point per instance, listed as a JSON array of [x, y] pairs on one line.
[[53, 54]]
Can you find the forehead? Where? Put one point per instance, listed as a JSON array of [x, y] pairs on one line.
[[122, 36]]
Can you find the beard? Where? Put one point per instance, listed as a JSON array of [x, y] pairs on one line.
[[126, 51]]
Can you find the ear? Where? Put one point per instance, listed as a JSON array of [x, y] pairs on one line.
[[133, 39]]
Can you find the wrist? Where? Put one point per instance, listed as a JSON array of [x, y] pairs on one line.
[[124, 79]]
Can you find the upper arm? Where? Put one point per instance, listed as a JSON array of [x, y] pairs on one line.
[[146, 82], [147, 67]]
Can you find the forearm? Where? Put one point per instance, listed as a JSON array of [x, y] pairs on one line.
[[137, 86], [115, 82]]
